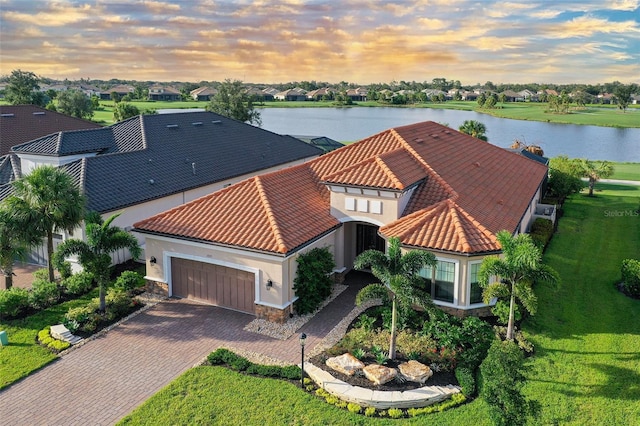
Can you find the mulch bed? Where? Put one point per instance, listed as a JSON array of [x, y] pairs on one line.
[[441, 378]]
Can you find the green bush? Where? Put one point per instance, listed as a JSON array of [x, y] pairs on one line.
[[78, 284], [365, 321], [466, 380], [80, 314], [354, 408], [313, 283], [41, 274], [501, 383], [118, 303], [129, 281], [370, 411], [631, 277], [290, 372], [221, 356], [501, 311], [44, 336], [65, 270], [541, 232], [13, 302], [43, 294], [395, 413]]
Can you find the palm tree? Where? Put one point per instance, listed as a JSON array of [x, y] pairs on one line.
[[48, 200], [398, 274], [515, 272], [475, 129], [95, 254], [594, 172], [15, 240]]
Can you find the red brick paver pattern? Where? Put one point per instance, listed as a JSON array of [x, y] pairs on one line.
[[104, 380]]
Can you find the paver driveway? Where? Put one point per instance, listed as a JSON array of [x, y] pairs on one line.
[[108, 377]]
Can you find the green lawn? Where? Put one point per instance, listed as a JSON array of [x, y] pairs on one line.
[[586, 368], [626, 171], [23, 355]]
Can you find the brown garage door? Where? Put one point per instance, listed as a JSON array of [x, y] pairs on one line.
[[215, 284]]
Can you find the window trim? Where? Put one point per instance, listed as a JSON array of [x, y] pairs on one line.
[[456, 283], [469, 304]]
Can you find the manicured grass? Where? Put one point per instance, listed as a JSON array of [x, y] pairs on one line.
[[217, 396], [586, 369], [626, 171], [23, 355]]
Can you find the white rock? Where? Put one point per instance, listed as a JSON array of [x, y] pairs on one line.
[[345, 364]]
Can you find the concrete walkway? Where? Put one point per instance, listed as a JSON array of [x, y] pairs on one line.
[[104, 380]]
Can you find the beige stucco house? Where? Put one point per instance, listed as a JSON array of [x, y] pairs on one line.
[[431, 186]]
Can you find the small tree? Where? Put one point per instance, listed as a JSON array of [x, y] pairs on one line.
[[313, 283], [23, 88], [594, 171], [48, 201], [622, 94], [501, 385], [564, 177], [474, 128], [95, 254], [75, 103], [398, 274], [124, 110], [515, 272], [233, 101], [15, 239]]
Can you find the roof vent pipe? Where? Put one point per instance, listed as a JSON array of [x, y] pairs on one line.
[[193, 168]]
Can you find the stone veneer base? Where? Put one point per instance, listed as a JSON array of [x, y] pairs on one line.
[[416, 398]]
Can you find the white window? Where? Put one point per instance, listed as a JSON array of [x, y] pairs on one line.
[[474, 290], [376, 207], [444, 288], [363, 205], [350, 203]]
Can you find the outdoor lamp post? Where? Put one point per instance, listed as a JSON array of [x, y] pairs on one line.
[[303, 340]]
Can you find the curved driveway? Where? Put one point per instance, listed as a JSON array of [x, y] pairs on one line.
[[105, 379]]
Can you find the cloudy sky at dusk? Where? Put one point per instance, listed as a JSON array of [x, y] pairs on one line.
[[261, 41]]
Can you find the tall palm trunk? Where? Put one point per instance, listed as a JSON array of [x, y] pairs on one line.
[[512, 307], [102, 294], [592, 184], [50, 254], [8, 279], [394, 321]]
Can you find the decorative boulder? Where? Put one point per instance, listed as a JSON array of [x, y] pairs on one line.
[[379, 374], [415, 371], [345, 364]]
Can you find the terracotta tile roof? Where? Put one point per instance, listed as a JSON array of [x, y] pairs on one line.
[[261, 213], [443, 226], [467, 191], [396, 169]]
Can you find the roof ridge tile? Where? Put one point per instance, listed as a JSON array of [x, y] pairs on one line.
[[275, 228]]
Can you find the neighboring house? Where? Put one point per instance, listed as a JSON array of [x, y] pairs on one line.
[[319, 94], [22, 123], [434, 188], [122, 90], [324, 143], [269, 93], [511, 96], [203, 93], [150, 163], [357, 95], [291, 95], [161, 93]]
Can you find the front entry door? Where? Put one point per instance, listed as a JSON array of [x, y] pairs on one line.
[[367, 238]]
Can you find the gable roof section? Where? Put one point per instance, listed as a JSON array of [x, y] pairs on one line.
[[23, 123], [467, 190]]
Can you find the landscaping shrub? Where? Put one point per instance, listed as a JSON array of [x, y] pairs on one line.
[[41, 274], [366, 322], [118, 303], [43, 294], [78, 284], [129, 281], [541, 232], [226, 357], [395, 413], [466, 380], [501, 383], [631, 277], [354, 408], [501, 311], [45, 339], [370, 411], [13, 302], [65, 270], [313, 283]]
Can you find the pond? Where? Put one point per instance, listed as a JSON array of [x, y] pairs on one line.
[[352, 124]]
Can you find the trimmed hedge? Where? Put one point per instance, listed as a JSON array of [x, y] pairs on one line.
[[13, 302], [236, 362], [541, 232], [631, 277]]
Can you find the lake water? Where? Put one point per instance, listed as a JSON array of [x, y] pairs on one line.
[[352, 124]]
